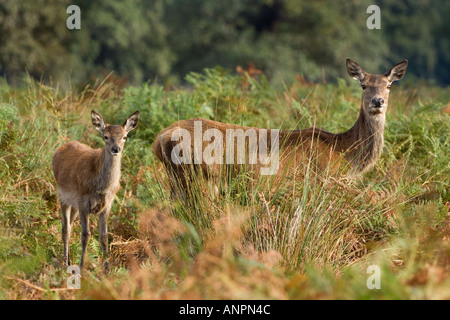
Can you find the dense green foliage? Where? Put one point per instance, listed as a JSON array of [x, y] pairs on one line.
[[313, 239], [176, 59], [167, 39]]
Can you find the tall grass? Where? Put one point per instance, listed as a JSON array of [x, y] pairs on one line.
[[303, 239]]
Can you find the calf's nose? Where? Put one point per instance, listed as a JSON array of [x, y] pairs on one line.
[[115, 149]]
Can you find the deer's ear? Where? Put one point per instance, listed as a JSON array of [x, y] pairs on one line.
[[98, 121], [131, 122], [355, 70], [397, 72]]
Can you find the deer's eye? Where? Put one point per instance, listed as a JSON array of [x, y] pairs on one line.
[[389, 86], [363, 86], [125, 138], [106, 137]]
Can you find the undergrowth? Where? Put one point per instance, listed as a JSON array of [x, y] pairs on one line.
[[307, 239]]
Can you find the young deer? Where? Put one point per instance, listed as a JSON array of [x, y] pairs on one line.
[[358, 148], [88, 180]]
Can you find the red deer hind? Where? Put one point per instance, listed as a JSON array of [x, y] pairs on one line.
[[358, 148]]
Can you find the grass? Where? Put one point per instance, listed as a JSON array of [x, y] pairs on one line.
[[311, 239]]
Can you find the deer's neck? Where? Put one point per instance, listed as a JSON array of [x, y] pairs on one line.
[[363, 143], [109, 173]]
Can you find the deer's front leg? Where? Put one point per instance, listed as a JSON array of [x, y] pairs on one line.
[[66, 228], [103, 236], [85, 235]]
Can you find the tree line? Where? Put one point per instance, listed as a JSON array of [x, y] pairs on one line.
[[164, 40]]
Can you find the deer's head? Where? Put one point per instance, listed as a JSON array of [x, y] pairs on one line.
[[375, 87], [114, 135]]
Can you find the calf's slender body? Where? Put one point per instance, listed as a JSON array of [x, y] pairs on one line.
[[88, 179]]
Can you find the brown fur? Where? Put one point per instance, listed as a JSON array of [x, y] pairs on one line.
[[88, 179], [358, 148]]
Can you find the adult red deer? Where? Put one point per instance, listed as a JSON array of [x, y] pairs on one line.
[[88, 179], [358, 148]]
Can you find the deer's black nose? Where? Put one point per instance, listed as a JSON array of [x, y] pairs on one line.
[[115, 149], [377, 102]]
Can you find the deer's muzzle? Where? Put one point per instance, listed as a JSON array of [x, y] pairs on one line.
[[115, 150], [378, 102]]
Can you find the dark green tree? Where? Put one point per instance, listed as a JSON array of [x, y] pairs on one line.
[[33, 38]]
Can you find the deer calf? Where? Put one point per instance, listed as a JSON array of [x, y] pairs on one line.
[[88, 179], [358, 148]]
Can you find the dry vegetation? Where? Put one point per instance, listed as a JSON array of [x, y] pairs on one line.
[[308, 240]]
